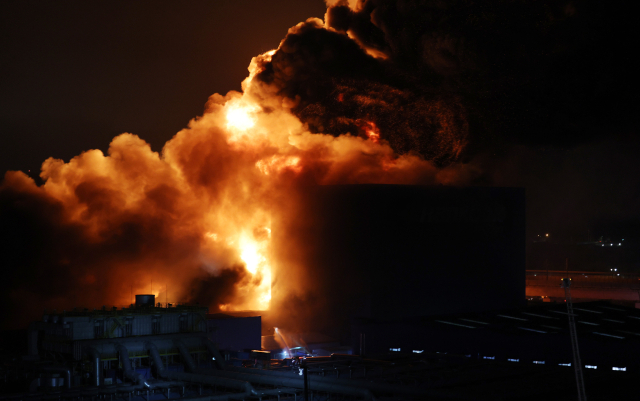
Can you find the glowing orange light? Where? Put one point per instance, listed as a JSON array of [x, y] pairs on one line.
[[253, 254], [279, 163], [372, 132], [240, 116]]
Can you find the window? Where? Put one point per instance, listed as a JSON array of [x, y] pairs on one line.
[[155, 325], [68, 330], [184, 323], [98, 329]]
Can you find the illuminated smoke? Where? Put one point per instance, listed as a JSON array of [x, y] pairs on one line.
[[336, 86], [194, 222]]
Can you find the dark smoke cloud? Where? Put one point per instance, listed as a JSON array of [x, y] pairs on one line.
[[490, 73], [218, 289], [513, 81], [337, 86]]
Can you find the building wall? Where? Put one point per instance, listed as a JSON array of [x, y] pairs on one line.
[[235, 333], [400, 251]]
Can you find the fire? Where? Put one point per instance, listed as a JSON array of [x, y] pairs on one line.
[[372, 132], [250, 255], [239, 116], [253, 254], [277, 164], [198, 214]]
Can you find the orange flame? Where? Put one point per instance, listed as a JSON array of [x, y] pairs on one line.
[[205, 204]]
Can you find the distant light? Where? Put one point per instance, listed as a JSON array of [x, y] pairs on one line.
[[615, 270], [546, 235], [473, 321], [587, 310], [488, 357], [513, 360], [608, 335], [534, 330], [394, 349], [415, 351], [564, 364], [620, 369], [591, 366], [619, 243], [535, 314], [455, 324], [611, 244], [618, 274], [213, 359], [514, 318], [539, 362]]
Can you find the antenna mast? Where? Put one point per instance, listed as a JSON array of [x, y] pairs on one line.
[[577, 364]]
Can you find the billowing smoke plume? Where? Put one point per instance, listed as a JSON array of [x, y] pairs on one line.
[[381, 92], [336, 87], [194, 222]]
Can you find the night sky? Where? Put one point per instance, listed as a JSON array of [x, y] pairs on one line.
[[543, 94], [551, 89], [76, 74]]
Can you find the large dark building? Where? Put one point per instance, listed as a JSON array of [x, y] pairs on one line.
[[391, 251]]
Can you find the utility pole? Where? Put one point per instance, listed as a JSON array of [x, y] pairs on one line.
[[577, 364], [305, 368]]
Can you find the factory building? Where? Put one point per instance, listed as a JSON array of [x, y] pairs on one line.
[[233, 333], [423, 292], [400, 251], [149, 352]]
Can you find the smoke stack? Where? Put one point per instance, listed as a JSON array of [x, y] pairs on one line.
[[145, 300]]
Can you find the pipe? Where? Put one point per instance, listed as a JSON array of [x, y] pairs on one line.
[[97, 367], [84, 392], [197, 378], [218, 359], [295, 382], [371, 386], [186, 357], [126, 366], [234, 396], [60, 369]]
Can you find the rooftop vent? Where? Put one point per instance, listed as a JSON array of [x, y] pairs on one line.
[[145, 300]]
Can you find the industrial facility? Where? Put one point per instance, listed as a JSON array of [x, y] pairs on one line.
[[429, 306]]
